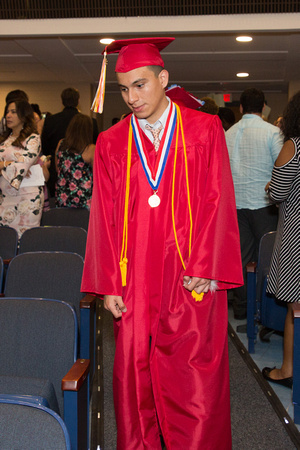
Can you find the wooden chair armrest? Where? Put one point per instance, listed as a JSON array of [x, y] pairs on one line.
[[251, 267], [76, 376], [296, 310], [88, 301], [7, 261]]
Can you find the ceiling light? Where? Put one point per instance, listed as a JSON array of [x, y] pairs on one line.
[[106, 41], [242, 74], [244, 38]]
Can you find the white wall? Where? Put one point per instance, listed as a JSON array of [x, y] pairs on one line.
[[294, 87]]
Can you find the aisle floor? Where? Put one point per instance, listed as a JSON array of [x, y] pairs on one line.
[[267, 355]]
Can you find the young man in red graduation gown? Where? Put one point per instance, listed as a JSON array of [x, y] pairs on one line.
[[169, 218]]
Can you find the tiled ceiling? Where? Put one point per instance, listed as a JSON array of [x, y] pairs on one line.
[[199, 62]]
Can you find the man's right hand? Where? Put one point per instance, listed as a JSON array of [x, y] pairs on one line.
[[115, 305]]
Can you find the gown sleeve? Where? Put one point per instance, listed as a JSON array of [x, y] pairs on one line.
[[216, 251], [101, 274]]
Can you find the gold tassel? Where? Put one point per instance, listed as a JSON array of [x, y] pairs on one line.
[[123, 257], [197, 297], [123, 267], [98, 102]]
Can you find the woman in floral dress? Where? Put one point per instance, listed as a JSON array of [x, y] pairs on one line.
[[74, 164], [20, 207]]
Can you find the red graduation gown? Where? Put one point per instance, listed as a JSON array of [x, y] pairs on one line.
[[178, 385]]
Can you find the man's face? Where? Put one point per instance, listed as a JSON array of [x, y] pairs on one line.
[[144, 92]]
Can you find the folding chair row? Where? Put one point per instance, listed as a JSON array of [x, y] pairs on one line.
[[38, 361]]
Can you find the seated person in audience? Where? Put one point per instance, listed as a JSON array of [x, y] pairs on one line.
[[74, 159], [20, 206]]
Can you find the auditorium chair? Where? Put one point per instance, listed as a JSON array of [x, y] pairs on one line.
[[1, 273], [54, 238], [77, 217], [55, 275], [8, 243], [262, 308], [38, 360], [30, 426]]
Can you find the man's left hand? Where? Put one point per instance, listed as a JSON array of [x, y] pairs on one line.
[[197, 284]]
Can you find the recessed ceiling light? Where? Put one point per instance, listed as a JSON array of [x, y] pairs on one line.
[[244, 38], [242, 74], [106, 41]]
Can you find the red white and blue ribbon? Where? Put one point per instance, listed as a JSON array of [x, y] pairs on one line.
[[154, 176]]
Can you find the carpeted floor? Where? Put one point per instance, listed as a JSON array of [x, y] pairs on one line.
[[259, 422]]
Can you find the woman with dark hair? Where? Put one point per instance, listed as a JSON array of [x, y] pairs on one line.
[[283, 281], [39, 121], [74, 159], [20, 206]]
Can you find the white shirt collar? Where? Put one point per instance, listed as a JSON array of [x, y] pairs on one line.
[[161, 121]]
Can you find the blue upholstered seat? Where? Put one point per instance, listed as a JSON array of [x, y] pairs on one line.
[[54, 238], [39, 351], [55, 275], [29, 426], [77, 217]]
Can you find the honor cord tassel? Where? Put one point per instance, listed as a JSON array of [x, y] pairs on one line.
[[123, 257], [197, 297]]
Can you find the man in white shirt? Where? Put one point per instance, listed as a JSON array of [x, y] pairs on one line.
[[253, 147]]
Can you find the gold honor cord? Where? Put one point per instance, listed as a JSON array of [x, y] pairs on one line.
[[197, 297], [123, 256]]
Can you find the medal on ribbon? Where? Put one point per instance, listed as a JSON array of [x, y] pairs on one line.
[[154, 176]]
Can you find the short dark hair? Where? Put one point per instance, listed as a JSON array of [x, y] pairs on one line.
[[252, 100], [17, 94], [70, 97], [155, 69]]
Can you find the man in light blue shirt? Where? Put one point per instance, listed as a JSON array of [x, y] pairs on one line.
[[253, 147]]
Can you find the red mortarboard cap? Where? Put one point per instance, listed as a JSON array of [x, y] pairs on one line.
[[180, 96], [134, 53]]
